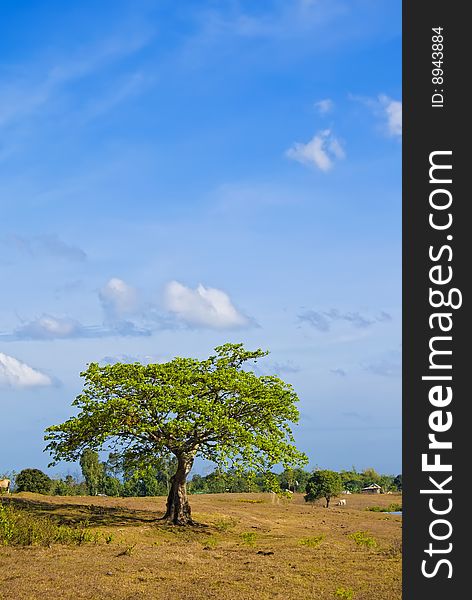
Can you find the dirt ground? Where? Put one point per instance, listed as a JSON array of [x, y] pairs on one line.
[[247, 548]]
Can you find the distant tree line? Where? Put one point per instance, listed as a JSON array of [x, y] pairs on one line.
[[294, 480], [121, 476]]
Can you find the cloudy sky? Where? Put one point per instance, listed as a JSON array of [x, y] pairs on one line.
[[177, 175]]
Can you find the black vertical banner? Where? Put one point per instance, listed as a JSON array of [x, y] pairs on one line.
[[436, 267]]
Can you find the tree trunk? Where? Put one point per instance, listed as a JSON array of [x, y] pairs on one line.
[[178, 510], [327, 501]]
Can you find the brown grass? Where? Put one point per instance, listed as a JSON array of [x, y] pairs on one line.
[[245, 551]]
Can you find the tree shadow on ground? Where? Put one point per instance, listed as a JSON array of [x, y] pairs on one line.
[[70, 514], [93, 515]]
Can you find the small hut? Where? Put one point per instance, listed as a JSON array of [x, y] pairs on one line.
[[373, 488]]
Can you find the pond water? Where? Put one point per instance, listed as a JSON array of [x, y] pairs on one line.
[[396, 512]]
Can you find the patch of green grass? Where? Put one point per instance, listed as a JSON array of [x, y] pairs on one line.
[[344, 593], [312, 542], [249, 501], [19, 528], [210, 543], [362, 538], [249, 538], [226, 524]]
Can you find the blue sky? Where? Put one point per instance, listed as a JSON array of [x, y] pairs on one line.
[[177, 175]]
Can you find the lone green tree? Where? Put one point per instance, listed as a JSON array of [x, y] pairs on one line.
[[323, 484], [33, 480], [216, 408], [92, 470]]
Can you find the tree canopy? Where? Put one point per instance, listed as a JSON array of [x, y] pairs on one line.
[[216, 408], [92, 470], [323, 484], [32, 480]]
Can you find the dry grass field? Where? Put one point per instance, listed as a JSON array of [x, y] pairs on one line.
[[248, 549]]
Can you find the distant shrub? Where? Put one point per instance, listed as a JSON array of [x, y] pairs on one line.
[[111, 486], [33, 480], [394, 507], [312, 542], [344, 593], [362, 538], [249, 538], [20, 528], [68, 487]]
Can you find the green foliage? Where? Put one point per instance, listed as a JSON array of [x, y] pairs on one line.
[[92, 470], [294, 480], [143, 482], [68, 487], [212, 408], [33, 480], [288, 496], [128, 475], [398, 482], [20, 528], [352, 480], [312, 542], [370, 475], [111, 486], [219, 482], [386, 482], [362, 538], [344, 593], [323, 484], [355, 481], [393, 507], [213, 483], [249, 538]]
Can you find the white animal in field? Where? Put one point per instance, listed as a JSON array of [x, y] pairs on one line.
[[341, 503], [4, 486]]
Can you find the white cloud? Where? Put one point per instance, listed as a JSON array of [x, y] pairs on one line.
[[324, 106], [321, 151], [47, 327], [393, 114], [122, 317], [385, 109], [14, 373], [117, 298], [205, 307]]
